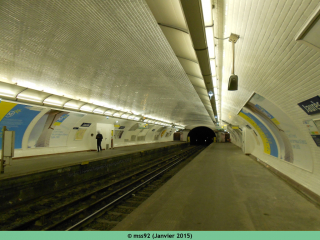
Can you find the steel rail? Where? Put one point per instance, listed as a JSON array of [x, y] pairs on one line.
[[127, 193], [98, 191]]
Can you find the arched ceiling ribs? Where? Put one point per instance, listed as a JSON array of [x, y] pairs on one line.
[[171, 18]]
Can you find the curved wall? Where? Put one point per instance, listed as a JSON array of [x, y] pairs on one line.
[[42, 130], [294, 151]]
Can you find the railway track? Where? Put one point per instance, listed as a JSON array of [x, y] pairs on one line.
[[83, 210]]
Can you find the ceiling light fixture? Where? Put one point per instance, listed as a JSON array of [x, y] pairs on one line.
[[210, 41], [7, 93], [52, 102]]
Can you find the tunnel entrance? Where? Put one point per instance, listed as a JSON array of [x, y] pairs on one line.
[[201, 136]]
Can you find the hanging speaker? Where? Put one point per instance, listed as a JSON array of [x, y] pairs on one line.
[[233, 83]]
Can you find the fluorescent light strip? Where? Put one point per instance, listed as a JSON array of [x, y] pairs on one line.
[[98, 111], [86, 109], [54, 104], [207, 12], [7, 95], [210, 41], [214, 81], [71, 106], [213, 67], [30, 99]]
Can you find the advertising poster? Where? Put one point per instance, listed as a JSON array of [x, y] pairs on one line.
[[53, 128], [143, 126], [277, 129], [16, 117], [313, 131], [80, 134]]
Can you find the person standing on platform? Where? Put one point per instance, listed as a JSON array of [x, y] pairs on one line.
[[99, 138]]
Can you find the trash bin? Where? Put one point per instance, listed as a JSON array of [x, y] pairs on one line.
[[107, 147]]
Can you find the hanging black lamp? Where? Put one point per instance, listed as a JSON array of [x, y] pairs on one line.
[[233, 80]]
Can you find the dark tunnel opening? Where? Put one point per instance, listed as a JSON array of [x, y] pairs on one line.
[[201, 136]]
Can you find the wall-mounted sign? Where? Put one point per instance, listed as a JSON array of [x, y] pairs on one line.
[[116, 126], [311, 106], [85, 124], [121, 127], [235, 127], [75, 128]]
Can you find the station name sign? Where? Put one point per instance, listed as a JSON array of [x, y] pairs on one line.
[[311, 106]]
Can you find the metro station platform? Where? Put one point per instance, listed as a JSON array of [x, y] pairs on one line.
[[30, 165], [223, 189]]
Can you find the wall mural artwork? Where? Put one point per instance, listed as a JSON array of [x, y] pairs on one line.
[[53, 128], [278, 132], [16, 117], [269, 143]]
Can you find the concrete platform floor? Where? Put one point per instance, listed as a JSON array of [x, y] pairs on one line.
[[29, 165], [223, 189]]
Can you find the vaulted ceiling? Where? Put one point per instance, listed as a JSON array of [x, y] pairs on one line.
[[138, 56], [268, 59]]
